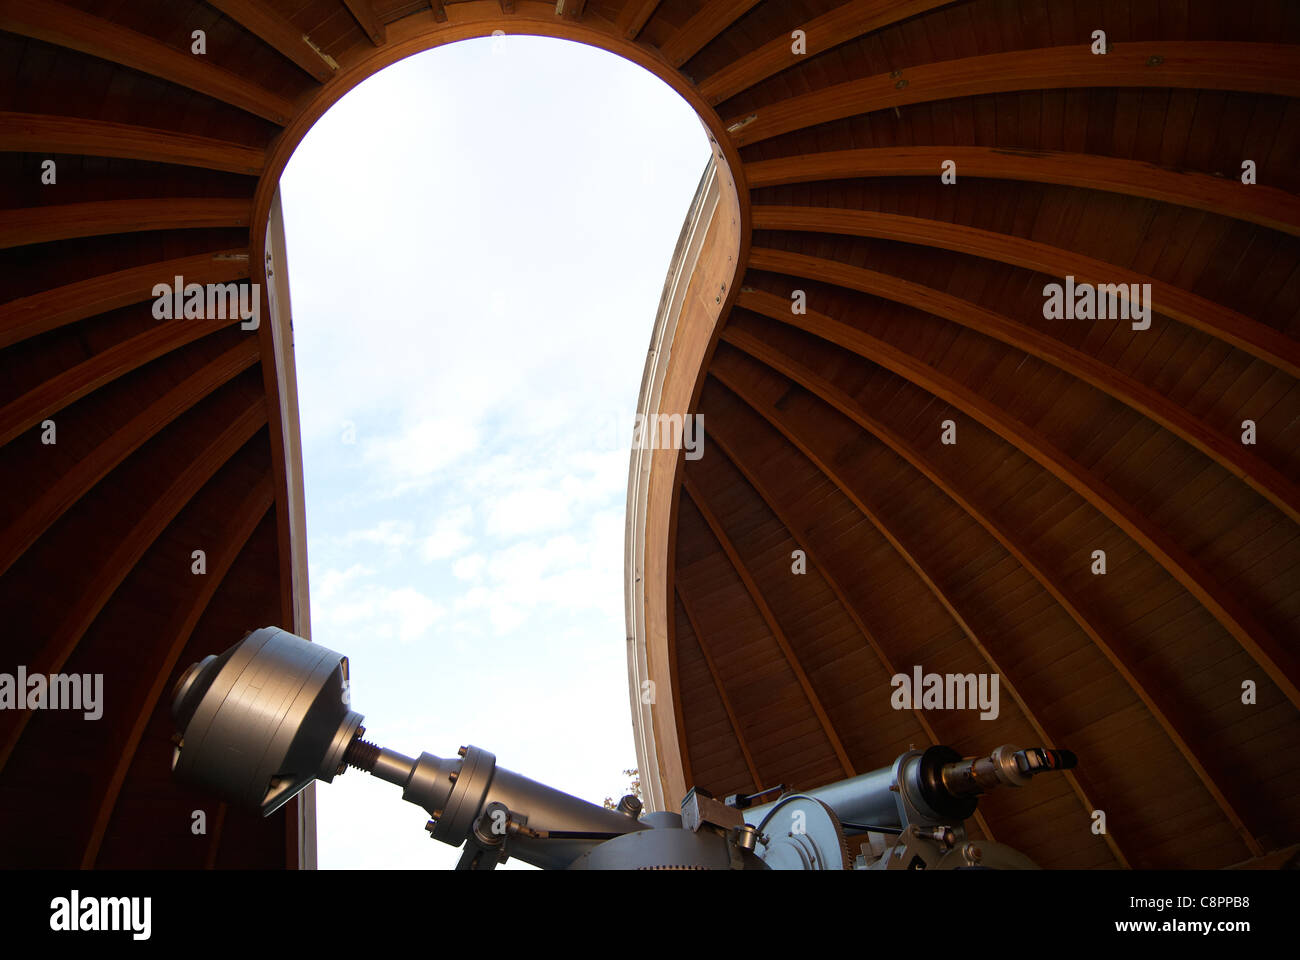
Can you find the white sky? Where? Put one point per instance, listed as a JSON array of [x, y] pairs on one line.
[[477, 241]]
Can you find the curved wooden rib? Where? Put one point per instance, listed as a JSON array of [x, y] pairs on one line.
[[828, 470], [1266, 206], [1267, 68], [722, 693], [64, 638], [778, 634], [68, 387], [27, 528], [257, 17], [711, 19], [243, 521], [632, 18], [1258, 474], [49, 309], [823, 33], [1276, 662], [28, 225], [1167, 713], [38, 133], [65, 26], [1216, 320], [799, 534], [366, 18]]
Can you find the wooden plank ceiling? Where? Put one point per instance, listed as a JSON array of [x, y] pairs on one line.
[[924, 304]]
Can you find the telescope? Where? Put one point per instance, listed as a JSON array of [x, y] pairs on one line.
[[259, 722]]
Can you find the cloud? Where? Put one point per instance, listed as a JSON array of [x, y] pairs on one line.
[[329, 583], [577, 572], [412, 613], [411, 459], [343, 604], [470, 567], [529, 510], [386, 533], [553, 486], [449, 536]]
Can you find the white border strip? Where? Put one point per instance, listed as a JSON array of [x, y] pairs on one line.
[[680, 272], [281, 320]]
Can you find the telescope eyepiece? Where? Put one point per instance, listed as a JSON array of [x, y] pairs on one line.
[[1006, 766], [260, 721]]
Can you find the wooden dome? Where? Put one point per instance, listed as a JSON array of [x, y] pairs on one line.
[[921, 314]]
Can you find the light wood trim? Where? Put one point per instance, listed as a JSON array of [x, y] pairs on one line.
[[651, 499], [280, 380]]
